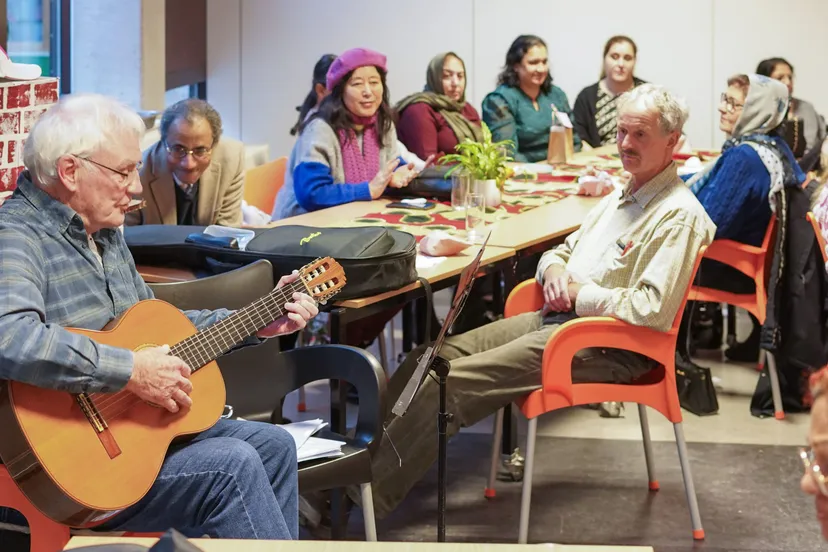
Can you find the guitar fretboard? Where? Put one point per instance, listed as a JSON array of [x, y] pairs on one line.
[[216, 340]]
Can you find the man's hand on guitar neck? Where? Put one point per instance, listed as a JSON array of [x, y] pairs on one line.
[[302, 309], [160, 378]]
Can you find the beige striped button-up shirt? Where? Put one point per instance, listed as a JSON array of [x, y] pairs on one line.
[[635, 252]]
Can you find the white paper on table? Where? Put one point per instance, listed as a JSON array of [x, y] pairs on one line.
[[316, 447], [424, 261], [302, 431]]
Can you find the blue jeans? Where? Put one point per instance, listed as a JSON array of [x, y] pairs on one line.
[[237, 480]]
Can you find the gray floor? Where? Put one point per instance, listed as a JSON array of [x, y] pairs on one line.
[[591, 483], [748, 496]]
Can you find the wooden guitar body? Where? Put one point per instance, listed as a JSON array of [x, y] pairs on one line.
[[79, 457], [73, 473]]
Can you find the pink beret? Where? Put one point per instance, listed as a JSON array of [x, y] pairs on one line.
[[350, 60]]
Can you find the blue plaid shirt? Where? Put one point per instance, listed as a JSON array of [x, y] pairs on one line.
[[49, 278]]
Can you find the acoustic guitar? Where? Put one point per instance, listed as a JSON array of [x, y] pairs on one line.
[[79, 457]]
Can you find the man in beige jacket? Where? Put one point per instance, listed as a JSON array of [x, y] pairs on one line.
[[192, 175]]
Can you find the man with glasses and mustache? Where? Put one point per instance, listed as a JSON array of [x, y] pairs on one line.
[[631, 259], [192, 176]]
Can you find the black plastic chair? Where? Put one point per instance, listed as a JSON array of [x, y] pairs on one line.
[[258, 378]]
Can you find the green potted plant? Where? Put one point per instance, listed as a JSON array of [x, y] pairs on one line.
[[486, 163]]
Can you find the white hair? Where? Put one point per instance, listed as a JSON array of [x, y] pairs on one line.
[[672, 111], [80, 124]]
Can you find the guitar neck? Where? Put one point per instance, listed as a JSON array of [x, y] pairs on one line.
[[210, 343]]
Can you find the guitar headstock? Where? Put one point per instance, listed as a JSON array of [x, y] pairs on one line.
[[323, 278]]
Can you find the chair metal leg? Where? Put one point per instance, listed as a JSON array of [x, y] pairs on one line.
[[368, 512], [497, 437], [778, 409], [730, 340], [689, 487], [763, 357], [526, 495], [382, 350], [301, 405], [648, 447]]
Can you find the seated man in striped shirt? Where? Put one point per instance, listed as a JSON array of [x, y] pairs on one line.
[[631, 259]]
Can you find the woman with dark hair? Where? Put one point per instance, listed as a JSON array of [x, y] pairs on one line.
[[813, 125], [317, 93], [595, 107], [521, 107], [434, 121], [347, 150]]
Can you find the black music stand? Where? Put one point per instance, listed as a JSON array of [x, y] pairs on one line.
[[440, 366]]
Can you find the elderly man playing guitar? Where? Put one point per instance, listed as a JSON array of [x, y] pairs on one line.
[[64, 263]]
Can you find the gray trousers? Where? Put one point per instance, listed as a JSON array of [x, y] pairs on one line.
[[490, 367]]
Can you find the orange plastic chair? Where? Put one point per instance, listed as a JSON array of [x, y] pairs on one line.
[[753, 262], [262, 183], [820, 238], [657, 389], [46, 535]]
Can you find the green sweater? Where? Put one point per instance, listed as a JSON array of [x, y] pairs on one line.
[[510, 115]]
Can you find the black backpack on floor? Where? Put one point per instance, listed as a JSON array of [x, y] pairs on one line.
[[375, 259]]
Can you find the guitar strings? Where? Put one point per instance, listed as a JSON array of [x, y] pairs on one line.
[[189, 346], [197, 343], [106, 407], [110, 409]]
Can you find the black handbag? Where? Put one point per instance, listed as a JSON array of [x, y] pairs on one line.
[[432, 183], [375, 259], [695, 388]]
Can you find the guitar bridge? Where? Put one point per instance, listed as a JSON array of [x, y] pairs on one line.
[[98, 423]]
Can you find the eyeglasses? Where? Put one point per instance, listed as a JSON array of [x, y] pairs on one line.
[[730, 105], [812, 467], [180, 152], [123, 176]]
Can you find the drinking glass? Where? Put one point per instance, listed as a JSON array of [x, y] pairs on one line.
[[460, 187], [475, 216]]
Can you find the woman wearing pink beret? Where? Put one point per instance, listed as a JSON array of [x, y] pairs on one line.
[[347, 150]]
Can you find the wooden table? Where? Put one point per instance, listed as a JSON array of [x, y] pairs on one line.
[[215, 545], [542, 225]]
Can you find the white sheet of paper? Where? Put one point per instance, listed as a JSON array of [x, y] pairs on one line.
[[563, 119], [302, 431], [316, 447]]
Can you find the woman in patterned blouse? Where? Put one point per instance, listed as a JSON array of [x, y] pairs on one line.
[[595, 107]]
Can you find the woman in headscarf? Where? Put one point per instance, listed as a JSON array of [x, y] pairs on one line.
[[735, 189], [347, 151], [434, 121]]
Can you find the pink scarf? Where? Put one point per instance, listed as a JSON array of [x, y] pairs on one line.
[[360, 166]]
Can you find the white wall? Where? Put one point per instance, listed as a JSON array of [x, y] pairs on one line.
[[119, 50], [261, 52]]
